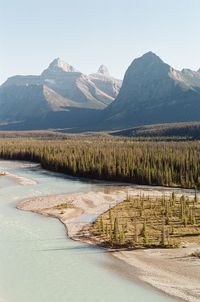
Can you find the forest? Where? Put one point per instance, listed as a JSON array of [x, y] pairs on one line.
[[163, 163]]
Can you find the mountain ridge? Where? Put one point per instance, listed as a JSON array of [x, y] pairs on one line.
[[152, 92], [60, 87]]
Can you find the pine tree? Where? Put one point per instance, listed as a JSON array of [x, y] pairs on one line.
[[144, 233], [136, 232], [110, 217], [195, 196], [163, 235], [116, 229]]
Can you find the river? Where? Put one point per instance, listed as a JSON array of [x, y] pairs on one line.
[[38, 263]]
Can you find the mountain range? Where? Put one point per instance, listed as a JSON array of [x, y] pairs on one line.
[[152, 92], [60, 94]]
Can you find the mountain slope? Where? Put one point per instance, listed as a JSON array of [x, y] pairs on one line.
[[105, 82], [153, 92], [59, 88]]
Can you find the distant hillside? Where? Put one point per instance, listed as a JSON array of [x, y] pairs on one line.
[[174, 130]]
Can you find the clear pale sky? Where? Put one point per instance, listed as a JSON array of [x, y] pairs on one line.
[[87, 33]]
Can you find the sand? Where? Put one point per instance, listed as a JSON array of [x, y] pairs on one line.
[[19, 179], [172, 271]]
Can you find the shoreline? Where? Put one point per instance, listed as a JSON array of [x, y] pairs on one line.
[[154, 269], [19, 179], [78, 210]]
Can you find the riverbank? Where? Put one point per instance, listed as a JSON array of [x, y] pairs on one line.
[[172, 271], [19, 179]]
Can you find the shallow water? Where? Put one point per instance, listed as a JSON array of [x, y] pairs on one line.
[[39, 264]]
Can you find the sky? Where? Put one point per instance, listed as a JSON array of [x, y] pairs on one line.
[[88, 33]]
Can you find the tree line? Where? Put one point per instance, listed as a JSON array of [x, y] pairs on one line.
[[124, 160]]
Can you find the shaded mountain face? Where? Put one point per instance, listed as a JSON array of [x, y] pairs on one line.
[[59, 88], [154, 92]]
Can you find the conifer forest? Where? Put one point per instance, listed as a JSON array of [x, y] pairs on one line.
[[162, 163]]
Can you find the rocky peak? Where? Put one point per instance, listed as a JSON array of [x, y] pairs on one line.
[[103, 70], [59, 65], [145, 70], [149, 59]]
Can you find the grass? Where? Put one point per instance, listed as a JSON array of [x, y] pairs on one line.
[[64, 206], [141, 222]]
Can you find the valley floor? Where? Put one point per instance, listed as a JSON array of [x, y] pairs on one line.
[[172, 271]]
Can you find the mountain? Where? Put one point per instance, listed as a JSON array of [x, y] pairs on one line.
[[153, 92], [191, 77], [105, 82], [60, 89]]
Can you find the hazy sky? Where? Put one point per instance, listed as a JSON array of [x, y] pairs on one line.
[[87, 33]]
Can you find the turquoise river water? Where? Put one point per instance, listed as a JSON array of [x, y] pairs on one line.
[[38, 263]]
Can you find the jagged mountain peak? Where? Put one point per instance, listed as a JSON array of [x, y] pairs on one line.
[[104, 81], [103, 70], [58, 64]]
